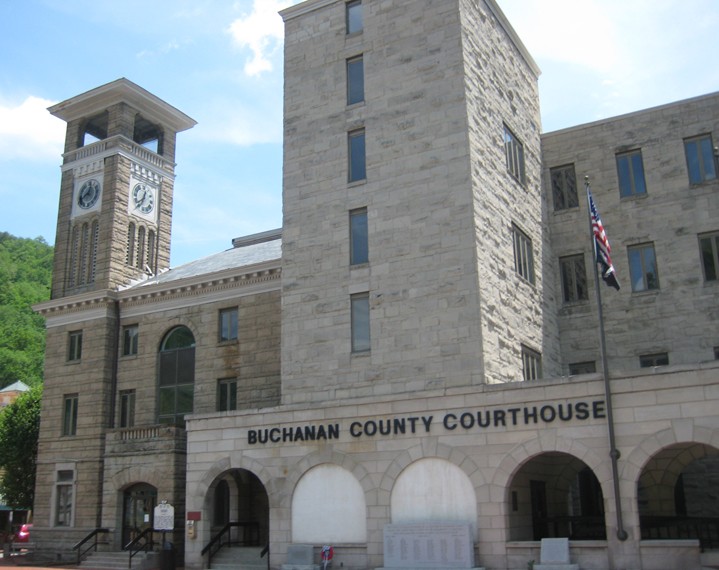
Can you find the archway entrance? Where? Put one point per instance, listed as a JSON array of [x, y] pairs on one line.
[[138, 504], [678, 494], [240, 508], [556, 495]]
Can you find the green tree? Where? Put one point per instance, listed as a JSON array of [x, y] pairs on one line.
[[19, 428], [25, 276]]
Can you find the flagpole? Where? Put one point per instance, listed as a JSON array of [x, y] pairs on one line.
[[613, 451]]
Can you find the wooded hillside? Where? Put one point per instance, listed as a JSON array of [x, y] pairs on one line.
[[25, 275]]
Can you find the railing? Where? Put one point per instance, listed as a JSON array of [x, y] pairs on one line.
[[704, 529], [224, 538], [572, 527], [142, 542], [266, 550], [92, 535]]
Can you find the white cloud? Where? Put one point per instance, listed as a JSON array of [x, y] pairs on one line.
[[29, 131], [262, 32]]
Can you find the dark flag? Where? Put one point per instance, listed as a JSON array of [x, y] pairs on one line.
[[601, 246]]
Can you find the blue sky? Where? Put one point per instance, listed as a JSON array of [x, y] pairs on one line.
[[220, 62]]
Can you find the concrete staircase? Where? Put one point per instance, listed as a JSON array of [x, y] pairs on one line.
[[119, 560], [239, 558], [710, 560]]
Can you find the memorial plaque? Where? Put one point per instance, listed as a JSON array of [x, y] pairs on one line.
[[428, 545], [554, 551], [300, 555]]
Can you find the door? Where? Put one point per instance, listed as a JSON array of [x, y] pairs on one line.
[[138, 507]]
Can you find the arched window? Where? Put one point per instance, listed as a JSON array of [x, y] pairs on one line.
[[176, 382], [84, 253], [74, 253]]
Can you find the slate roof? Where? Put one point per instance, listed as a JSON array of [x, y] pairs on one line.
[[266, 250]]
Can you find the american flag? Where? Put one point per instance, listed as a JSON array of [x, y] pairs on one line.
[[602, 248]]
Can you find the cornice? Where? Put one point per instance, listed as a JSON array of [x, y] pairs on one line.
[[159, 297]]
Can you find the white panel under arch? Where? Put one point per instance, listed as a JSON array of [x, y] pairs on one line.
[[434, 490], [328, 506]]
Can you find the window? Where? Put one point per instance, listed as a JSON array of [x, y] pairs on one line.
[[523, 257], [355, 80], [564, 187], [576, 368], [630, 171], [69, 414], [359, 250], [701, 161], [228, 324], [64, 497], [127, 408], [643, 267], [514, 151], [652, 360], [357, 168], [531, 364], [360, 322], [74, 349], [176, 377], [709, 248], [716, 353], [574, 279], [129, 340], [226, 394], [353, 13]]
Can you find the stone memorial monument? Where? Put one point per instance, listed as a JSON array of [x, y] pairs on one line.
[[428, 546]]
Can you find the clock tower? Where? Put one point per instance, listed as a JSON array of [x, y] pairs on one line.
[[115, 211]]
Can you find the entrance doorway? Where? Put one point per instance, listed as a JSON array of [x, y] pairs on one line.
[[138, 505]]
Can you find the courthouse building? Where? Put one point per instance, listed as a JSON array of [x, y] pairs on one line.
[[419, 344]]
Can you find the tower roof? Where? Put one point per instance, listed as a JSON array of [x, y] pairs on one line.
[[123, 90]]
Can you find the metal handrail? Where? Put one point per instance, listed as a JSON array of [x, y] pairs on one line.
[[217, 540], [266, 550], [92, 534], [139, 544], [703, 529]]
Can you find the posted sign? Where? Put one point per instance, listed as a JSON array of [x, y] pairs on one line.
[[164, 516]]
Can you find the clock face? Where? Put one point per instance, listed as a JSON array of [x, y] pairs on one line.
[[89, 193], [143, 196]]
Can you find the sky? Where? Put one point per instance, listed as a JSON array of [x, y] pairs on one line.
[[220, 62]]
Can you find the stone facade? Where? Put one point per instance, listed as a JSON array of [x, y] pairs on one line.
[[478, 399]]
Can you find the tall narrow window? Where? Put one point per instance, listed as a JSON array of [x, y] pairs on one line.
[[84, 254], [531, 364], [151, 250], [359, 250], [564, 187], [127, 408], [353, 13], [701, 161], [514, 152], [360, 322], [523, 256], [709, 248], [74, 345], [130, 336], [643, 267], [228, 324], [141, 248], [356, 146], [64, 497], [355, 80], [630, 171], [130, 257], [226, 394], [94, 237], [176, 376], [574, 278], [69, 414], [74, 255]]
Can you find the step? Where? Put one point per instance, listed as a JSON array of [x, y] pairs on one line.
[[244, 557], [117, 560]]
